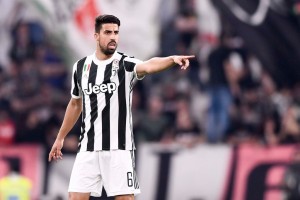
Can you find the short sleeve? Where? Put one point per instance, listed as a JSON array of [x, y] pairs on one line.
[[75, 89], [130, 66]]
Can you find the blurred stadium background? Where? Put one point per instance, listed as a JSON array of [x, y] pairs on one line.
[[226, 129]]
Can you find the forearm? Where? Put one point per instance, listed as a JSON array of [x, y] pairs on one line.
[[158, 64], [72, 114]]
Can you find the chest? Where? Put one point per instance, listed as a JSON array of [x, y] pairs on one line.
[[97, 79]]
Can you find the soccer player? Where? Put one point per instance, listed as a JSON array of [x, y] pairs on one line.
[[102, 91]]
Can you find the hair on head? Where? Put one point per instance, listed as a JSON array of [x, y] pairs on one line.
[[105, 19]]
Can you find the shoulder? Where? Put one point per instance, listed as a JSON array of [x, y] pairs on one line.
[[79, 63], [128, 61], [26, 181], [3, 182], [82, 60], [125, 56]]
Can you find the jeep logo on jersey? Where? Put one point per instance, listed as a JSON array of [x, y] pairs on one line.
[[96, 89]]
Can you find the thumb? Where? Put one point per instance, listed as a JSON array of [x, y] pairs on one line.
[[178, 61]]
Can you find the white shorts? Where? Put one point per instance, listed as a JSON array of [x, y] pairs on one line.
[[114, 170]]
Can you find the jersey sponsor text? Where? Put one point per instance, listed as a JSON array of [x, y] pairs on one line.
[[96, 89]]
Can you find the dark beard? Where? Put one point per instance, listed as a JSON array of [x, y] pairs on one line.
[[107, 51]]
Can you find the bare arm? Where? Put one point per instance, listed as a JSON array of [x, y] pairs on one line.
[[159, 64], [72, 114]]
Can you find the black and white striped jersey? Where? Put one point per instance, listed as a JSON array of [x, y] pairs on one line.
[[106, 91]]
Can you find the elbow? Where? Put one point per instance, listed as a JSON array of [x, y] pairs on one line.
[[76, 104], [143, 70], [148, 70], [150, 66]]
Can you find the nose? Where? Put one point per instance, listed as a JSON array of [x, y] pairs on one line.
[[113, 36]]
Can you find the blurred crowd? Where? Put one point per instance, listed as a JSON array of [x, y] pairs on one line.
[[226, 96], [34, 88]]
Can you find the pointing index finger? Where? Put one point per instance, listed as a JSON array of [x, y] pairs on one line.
[[188, 57]]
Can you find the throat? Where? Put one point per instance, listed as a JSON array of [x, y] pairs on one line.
[[102, 56]]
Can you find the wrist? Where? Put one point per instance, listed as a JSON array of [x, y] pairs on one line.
[[172, 58], [60, 138]]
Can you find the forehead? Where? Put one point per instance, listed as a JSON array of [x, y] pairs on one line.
[[110, 26]]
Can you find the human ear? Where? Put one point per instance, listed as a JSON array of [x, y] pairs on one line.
[[96, 36]]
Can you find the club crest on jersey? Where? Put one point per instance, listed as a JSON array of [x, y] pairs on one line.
[[115, 67]]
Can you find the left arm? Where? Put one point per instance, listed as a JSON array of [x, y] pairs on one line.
[[158, 64]]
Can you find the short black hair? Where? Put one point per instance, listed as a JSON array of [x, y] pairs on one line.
[[105, 19]]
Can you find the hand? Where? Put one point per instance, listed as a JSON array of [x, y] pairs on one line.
[[55, 152], [183, 61]]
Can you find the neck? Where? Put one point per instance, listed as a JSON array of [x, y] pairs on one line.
[[101, 56]]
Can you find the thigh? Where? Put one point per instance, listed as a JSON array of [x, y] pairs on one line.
[[125, 197], [79, 196], [85, 176], [118, 172]]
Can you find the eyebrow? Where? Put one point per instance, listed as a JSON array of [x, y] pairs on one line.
[[109, 31]]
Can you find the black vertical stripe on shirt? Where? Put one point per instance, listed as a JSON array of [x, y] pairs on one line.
[[122, 107], [79, 69], [83, 123], [80, 64], [75, 82], [94, 108], [106, 111]]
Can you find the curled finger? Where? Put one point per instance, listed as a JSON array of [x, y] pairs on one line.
[[51, 155], [186, 64]]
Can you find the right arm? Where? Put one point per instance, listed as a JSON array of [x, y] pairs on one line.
[[72, 114], [158, 64]]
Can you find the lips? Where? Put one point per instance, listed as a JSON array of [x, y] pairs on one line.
[[112, 44]]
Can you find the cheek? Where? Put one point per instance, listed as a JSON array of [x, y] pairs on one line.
[[104, 40], [101, 42]]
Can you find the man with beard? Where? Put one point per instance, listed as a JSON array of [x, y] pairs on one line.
[[101, 90]]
